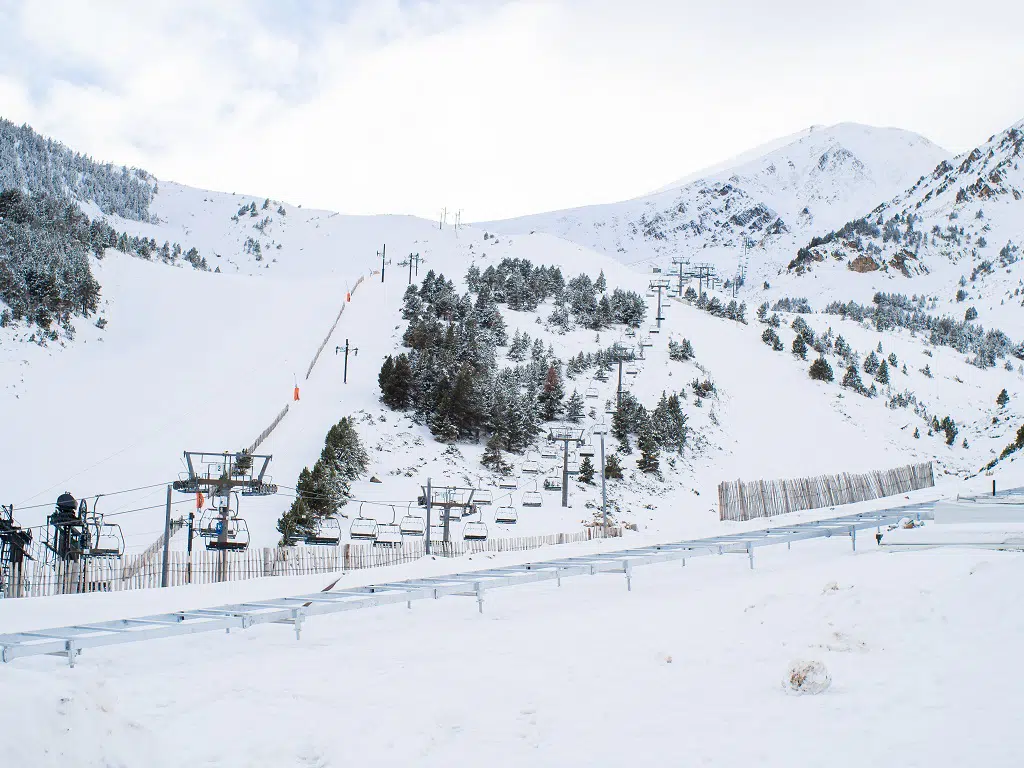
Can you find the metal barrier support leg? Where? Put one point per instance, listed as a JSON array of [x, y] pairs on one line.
[[628, 570], [750, 554], [480, 597], [853, 537]]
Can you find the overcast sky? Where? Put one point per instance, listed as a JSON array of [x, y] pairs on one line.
[[497, 107]]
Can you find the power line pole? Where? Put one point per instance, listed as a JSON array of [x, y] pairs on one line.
[[414, 259], [346, 349], [383, 263], [167, 541]]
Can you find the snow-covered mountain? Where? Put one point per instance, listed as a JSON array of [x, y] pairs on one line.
[[958, 231], [804, 185], [190, 358]]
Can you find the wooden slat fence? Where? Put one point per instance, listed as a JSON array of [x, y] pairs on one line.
[[739, 500], [38, 579], [327, 338]]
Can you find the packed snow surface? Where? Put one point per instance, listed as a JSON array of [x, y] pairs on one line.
[[685, 669]]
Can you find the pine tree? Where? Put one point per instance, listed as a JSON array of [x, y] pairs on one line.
[[550, 398], [917, 433], [871, 364], [492, 458], [882, 377], [344, 454], [396, 382], [1003, 398], [574, 408], [612, 468], [601, 284], [586, 473], [800, 347], [647, 442], [620, 429], [852, 379], [893, 360], [820, 370]]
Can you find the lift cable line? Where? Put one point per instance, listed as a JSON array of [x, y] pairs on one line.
[[69, 641]]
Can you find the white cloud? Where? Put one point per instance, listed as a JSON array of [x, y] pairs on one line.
[[499, 108]]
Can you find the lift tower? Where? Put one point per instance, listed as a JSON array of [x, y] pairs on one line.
[[218, 475]]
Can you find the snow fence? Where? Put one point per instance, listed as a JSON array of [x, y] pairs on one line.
[[739, 500]]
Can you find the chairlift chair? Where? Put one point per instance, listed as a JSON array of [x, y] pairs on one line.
[[631, 333], [592, 393], [573, 467], [508, 483], [533, 498], [631, 370], [506, 516], [549, 452], [106, 538], [363, 528], [553, 483], [388, 535], [208, 522], [483, 496], [654, 329], [475, 530], [327, 533], [587, 451], [412, 525], [236, 539], [532, 466]]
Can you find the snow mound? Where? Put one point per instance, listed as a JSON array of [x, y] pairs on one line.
[[807, 677]]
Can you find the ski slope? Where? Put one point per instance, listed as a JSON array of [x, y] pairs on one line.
[[587, 673]]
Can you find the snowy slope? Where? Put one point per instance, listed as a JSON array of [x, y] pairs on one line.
[[806, 186], [203, 361], [920, 647], [964, 219]]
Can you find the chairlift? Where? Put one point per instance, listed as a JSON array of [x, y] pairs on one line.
[[631, 370], [549, 452], [437, 534], [587, 451], [531, 465], [508, 483], [631, 333], [475, 530], [533, 498], [601, 375], [207, 527], [654, 329], [483, 496], [235, 540], [327, 533], [106, 539], [592, 393], [573, 467], [553, 483], [412, 525], [389, 534], [363, 528], [506, 516]]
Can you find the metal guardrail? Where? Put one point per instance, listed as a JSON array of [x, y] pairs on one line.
[[70, 641]]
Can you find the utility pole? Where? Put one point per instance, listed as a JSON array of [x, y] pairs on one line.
[[164, 571], [659, 286], [565, 435], [414, 259], [383, 263], [346, 349], [191, 530]]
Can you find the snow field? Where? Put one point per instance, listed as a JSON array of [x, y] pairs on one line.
[[585, 674]]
